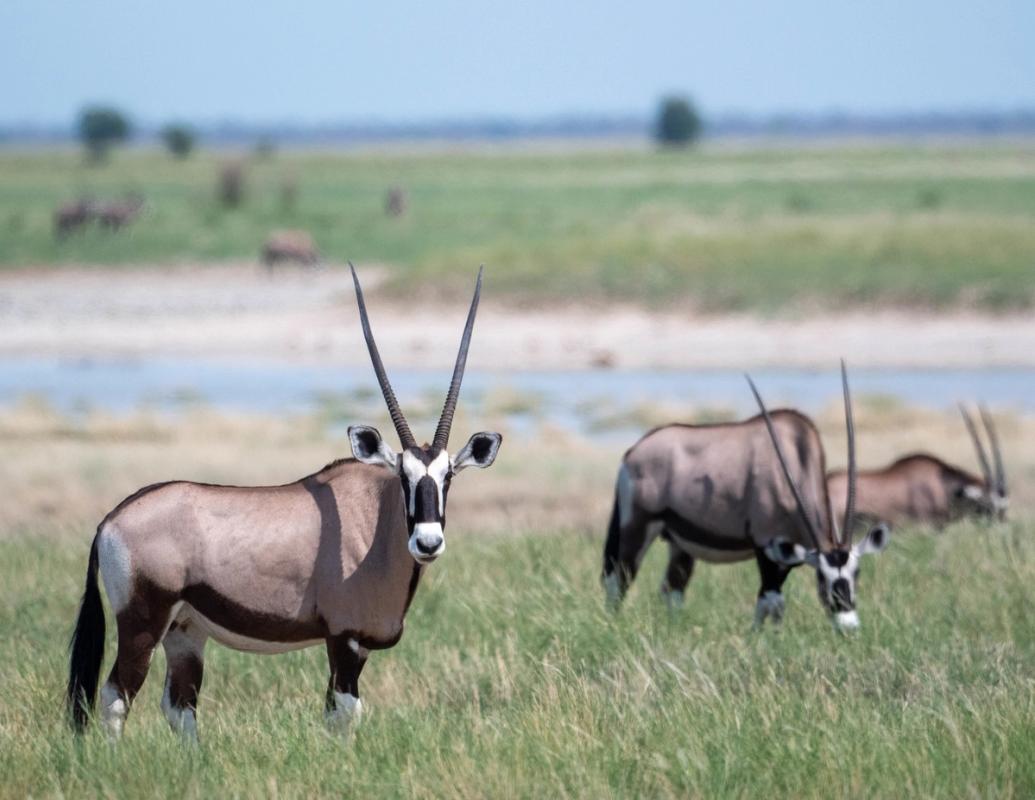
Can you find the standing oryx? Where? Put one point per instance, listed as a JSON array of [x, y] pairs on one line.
[[716, 492], [334, 558], [923, 488]]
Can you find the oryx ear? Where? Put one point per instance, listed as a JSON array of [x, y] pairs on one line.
[[789, 554], [370, 448], [876, 540], [480, 451]]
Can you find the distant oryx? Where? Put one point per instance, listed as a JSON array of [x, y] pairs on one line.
[[716, 492], [922, 488], [332, 558]]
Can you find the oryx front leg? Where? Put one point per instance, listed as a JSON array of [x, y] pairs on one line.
[[343, 708], [184, 648], [770, 603]]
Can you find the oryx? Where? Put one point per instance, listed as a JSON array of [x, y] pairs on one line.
[[730, 492], [922, 488], [332, 558]]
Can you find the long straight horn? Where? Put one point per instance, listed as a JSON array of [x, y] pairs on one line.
[[849, 523], [982, 456], [401, 426], [445, 422], [802, 512], [997, 455]]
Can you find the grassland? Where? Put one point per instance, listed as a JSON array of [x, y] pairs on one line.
[[934, 226], [511, 680]]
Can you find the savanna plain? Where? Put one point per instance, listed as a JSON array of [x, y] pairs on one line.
[[512, 680]]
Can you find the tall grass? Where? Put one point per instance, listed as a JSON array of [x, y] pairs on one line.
[[512, 681], [765, 229]]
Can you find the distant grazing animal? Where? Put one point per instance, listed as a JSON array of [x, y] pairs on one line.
[[716, 492], [921, 488], [70, 216], [119, 213], [333, 558], [395, 202], [290, 245]]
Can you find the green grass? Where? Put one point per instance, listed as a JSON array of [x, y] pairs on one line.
[[511, 681], [722, 229]]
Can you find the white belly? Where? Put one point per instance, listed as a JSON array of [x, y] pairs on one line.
[[711, 554], [190, 615]]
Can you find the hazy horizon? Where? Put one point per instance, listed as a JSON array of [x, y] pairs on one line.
[[328, 64]]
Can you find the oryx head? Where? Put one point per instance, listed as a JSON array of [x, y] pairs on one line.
[[834, 557], [989, 498], [424, 470]]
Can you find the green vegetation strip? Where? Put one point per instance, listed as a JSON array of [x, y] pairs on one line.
[[718, 229]]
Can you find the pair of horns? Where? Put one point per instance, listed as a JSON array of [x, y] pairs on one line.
[[998, 480], [843, 539], [445, 421]]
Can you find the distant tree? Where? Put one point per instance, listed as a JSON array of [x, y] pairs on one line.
[[178, 140], [678, 122], [100, 127]]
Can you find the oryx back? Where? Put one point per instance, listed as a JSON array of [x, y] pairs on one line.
[[718, 489]]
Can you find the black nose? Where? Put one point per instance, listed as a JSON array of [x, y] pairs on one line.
[[841, 594]]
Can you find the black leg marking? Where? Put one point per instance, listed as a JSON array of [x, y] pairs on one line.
[[770, 595], [772, 574], [680, 570], [346, 663]]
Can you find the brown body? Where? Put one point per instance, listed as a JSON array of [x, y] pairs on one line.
[[71, 216], [715, 492], [119, 213], [918, 488], [269, 568], [296, 246]]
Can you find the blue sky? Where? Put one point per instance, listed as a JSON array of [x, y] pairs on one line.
[[325, 61]]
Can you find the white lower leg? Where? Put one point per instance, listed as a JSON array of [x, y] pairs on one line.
[[612, 590], [673, 598], [846, 621], [114, 710], [347, 712], [770, 604]]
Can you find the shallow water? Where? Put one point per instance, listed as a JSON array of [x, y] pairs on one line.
[[566, 398]]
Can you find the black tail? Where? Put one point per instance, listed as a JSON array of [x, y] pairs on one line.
[[611, 545], [86, 650]]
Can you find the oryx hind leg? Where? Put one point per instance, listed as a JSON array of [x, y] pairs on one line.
[[184, 647], [141, 626], [677, 575], [770, 603], [635, 539]]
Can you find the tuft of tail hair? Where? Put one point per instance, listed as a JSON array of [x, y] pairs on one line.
[[86, 650], [613, 540]]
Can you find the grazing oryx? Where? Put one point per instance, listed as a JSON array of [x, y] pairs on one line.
[[923, 488], [715, 492], [332, 558]]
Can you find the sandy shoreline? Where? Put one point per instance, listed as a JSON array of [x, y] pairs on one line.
[[236, 311]]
